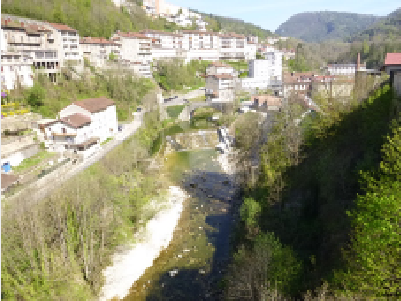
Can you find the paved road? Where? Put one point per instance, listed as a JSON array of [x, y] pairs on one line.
[[180, 99], [41, 188]]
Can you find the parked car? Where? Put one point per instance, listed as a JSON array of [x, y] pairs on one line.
[[120, 128]]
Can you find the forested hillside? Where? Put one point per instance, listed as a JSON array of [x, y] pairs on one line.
[[325, 25], [217, 23], [323, 220], [99, 18], [387, 29]]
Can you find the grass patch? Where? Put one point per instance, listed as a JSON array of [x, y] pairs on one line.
[[107, 140], [174, 111], [32, 161]]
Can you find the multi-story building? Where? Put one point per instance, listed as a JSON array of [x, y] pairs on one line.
[[66, 40], [32, 39], [16, 69], [100, 50], [250, 50], [165, 45], [135, 47], [200, 45], [220, 82], [232, 46], [275, 64]]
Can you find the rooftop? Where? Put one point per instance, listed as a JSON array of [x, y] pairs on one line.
[[62, 27], [94, 105], [392, 59]]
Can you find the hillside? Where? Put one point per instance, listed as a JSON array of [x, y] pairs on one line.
[[99, 18], [217, 23], [325, 25], [387, 29]]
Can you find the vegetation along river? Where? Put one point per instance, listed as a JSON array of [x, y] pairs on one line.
[[191, 267]]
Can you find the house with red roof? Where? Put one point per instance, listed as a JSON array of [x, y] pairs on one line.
[[81, 126], [392, 65]]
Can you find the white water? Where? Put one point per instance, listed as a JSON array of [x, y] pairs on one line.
[[129, 266]]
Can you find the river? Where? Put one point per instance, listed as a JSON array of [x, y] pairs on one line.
[[191, 267]]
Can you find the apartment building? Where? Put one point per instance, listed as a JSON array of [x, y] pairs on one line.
[[200, 45], [32, 40], [275, 64], [16, 69], [100, 50], [220, 82], [66, 40], [250, 50], [232, 46], [165, 45], [135, 47]]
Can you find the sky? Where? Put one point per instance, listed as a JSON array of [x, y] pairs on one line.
[[269, 14]]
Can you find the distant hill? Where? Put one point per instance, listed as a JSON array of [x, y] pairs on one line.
[[386, 29], [217, 23], [325, 25]]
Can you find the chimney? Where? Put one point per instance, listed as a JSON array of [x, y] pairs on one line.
[[358, 62]]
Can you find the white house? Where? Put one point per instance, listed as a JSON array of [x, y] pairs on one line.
[[220, 82], [343, 69], [82, 125], [15, 69]]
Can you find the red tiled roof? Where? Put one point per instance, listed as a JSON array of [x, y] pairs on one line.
[[266, 100], [76, 120], [92, 40], [8, 180], [160, 32], [393, 59], [62, 27], [132, 35], [94, 105]]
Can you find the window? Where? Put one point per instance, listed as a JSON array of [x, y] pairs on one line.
[[64, 130]]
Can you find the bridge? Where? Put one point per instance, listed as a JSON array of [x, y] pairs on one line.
[[189, 110]]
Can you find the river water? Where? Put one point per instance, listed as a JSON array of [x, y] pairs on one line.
[[191, 267]]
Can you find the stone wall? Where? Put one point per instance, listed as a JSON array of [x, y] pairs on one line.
[[195, 140]]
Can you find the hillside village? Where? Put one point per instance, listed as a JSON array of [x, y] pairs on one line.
[[151, 151], [31, 47]]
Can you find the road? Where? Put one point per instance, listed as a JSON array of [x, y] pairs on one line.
[[180, 99], [41, 188]]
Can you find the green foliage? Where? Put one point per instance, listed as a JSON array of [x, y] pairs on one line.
[[174, 111], [324, 25], [32, 161], [217, 23], [174, 75], [374, 261], [125, 89], [259, 56], [249, 212]]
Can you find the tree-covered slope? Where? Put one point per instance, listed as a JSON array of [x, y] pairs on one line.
[[91, 18], [325, 25], [217, 23], [387, 29]]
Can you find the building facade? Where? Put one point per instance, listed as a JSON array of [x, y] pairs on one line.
[[100, 50]]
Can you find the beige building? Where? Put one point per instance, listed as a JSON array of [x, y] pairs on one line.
[[232, 46], [100, 50], [35, 41], [220, 82]]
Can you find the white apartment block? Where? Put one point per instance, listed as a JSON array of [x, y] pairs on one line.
[[135, 47], [197, 39], [66, 40], [100, 50], [232, 46], [250, 51], [16, 69], [165, 45], [34, 40], [275, 59]]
